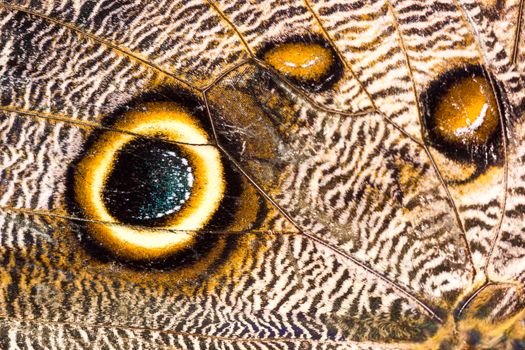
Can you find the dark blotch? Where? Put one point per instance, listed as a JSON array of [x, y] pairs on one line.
[[150, 180]]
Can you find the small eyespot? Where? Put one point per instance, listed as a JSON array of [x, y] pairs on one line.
[[169, 177], [462, 116], [307, 61]]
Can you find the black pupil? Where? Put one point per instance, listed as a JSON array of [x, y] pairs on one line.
[[150, 180]]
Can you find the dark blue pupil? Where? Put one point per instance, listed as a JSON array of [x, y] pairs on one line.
[[150, 180]]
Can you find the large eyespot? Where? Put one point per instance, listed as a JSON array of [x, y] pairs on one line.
[[308, 61], [462, 117], [154, 190]]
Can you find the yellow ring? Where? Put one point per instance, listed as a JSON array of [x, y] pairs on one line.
[[171, 122]]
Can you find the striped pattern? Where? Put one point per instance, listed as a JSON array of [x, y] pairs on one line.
[[265, 21], [365, 243]]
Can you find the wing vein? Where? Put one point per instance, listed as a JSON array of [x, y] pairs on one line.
[[470, 22], [517, 33], [345, 62], [119, 49], [86, 124], [56, 215], [427, 150], [427, 309], [214, 6]]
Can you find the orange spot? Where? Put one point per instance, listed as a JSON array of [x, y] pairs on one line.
[[467, 112], [302, 61]]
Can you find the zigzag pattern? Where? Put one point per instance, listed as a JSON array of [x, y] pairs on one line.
[[365, 242]]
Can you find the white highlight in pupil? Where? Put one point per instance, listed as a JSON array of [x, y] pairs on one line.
[[474, 126]]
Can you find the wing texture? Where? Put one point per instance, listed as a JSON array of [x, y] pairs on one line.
[[348, 228]]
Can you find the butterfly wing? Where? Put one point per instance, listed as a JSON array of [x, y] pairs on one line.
[[359, 237]]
